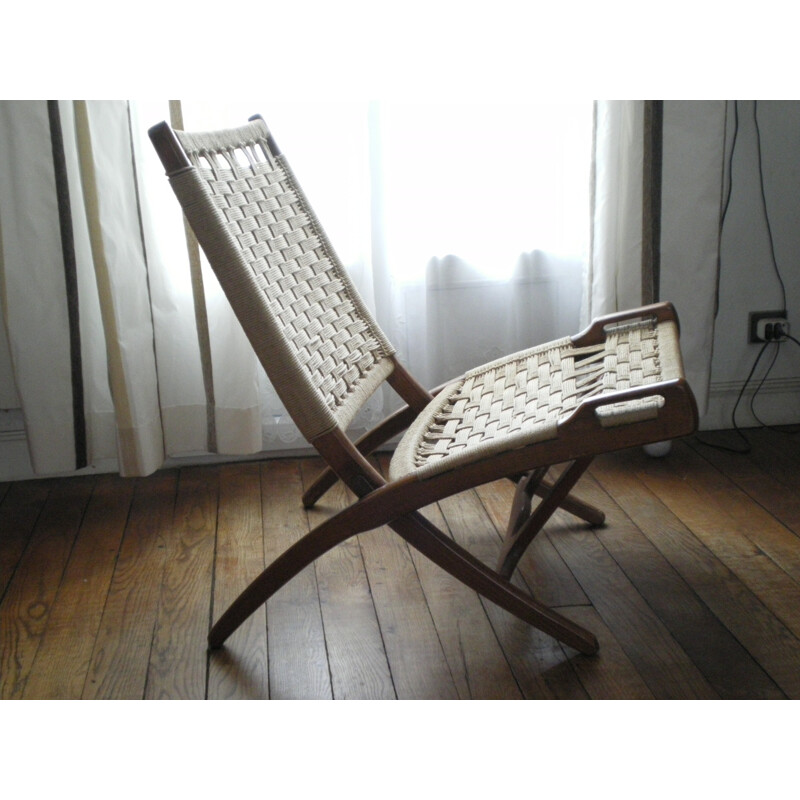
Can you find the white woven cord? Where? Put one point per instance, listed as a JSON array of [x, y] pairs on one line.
[[322, 350], [521, 399]]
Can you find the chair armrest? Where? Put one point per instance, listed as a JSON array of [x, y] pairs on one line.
[[596, 332], [678, 407]]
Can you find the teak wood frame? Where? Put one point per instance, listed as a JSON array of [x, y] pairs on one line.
[[396, 504]]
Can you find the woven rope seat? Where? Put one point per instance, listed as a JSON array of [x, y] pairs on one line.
[[523, 398], [617, 384]]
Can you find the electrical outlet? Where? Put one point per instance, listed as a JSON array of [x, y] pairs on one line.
[[767, 326]]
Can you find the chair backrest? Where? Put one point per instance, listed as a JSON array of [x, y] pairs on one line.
[[319, 344]]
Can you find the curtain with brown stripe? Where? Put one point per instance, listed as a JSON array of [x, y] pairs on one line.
[[111, 366], [656, 205]]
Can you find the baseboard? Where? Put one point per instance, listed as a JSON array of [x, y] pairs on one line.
[[777, 403], [15, 464], [14, 461]]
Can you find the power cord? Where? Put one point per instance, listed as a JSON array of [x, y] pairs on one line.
[[747, 446], [774, 334], [780, 338], [764, 205]]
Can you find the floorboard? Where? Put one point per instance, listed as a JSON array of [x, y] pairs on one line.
[[28, 602], [108, 587], [62, 660], [177, 667], [357, 657], [298, 651], [121, 652], [241, 670]]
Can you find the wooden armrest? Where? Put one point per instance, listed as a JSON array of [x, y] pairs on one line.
[[595, 333], [679, 404]]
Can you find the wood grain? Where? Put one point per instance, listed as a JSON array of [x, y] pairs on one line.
[[541, 566], [664, 666], [658, 555], [539, 663], [609, 675], [177, 668], [64, 655], [19, 511], [121, 652], [419, 667], [239, 671], [28, 601], [774, 487], [470, 643], [727, 571], [359, 662], [109, 585], [298, 659]]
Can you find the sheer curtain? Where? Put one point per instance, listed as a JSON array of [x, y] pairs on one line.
[[464, 227], [481, 235]]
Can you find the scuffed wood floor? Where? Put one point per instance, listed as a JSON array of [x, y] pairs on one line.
[[108, 587]]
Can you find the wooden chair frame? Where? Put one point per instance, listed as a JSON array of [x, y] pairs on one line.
[[396, 503]]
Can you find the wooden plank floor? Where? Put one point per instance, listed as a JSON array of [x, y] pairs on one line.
[[108, 587]]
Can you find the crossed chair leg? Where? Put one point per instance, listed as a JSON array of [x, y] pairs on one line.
[[524, 523], [364, 515]]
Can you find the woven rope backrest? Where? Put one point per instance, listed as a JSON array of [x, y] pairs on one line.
[[529, 393], [321, 348]]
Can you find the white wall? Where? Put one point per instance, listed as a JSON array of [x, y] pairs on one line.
[[747, 276]]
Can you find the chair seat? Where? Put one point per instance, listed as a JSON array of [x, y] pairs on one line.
[[528, 397]]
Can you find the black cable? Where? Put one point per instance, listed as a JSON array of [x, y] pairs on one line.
[[747, 446], [721, 228], [730, 166], [758, 388], [739, 432], [764, 205]]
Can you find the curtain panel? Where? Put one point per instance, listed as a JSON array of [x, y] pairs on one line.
[[97, 304], [656, 211]]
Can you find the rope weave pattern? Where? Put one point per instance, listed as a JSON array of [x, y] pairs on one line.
[[293, 265], [533, 391]]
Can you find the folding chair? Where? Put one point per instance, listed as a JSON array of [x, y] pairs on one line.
[[618, 384]]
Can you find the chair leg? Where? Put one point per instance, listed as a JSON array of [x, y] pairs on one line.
[[433, 544], [373, 439], [442, 550], [302, 553], [523, 526], [375, 509], [523, 498], [576, 506]]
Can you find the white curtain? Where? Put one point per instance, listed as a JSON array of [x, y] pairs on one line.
[[464, 227], [101, 327], [693, 144], [482, 233], [614, 274], [74, 287]]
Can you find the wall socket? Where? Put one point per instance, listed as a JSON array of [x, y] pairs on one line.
[[761, 326]]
